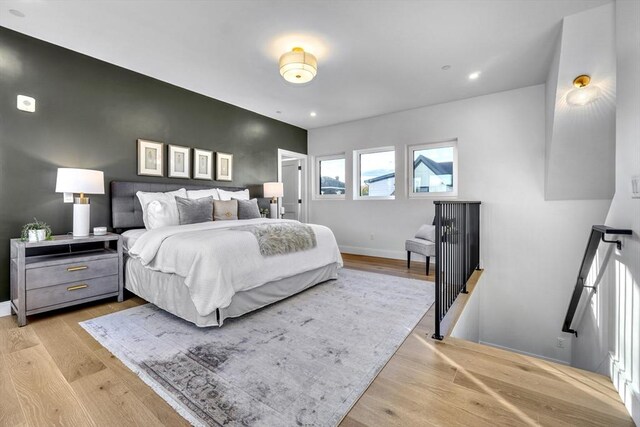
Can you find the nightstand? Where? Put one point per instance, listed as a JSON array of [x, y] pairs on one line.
[[64, 271]]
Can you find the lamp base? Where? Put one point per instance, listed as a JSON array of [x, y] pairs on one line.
[[273, 211], [81, 219]]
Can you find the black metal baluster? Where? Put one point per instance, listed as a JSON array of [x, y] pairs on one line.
[[458, 248], [454, 250], [448, 276], [463, 242], [444, 256], [456, 266], [452, 256]]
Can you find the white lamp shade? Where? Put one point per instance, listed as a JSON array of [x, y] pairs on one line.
[[583, 96], [86, 181], [298, 66], [273, 189]]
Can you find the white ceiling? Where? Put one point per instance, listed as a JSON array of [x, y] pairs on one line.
[[374, 57]]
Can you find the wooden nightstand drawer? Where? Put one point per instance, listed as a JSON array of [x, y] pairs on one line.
[[74, 291], [74, 271]]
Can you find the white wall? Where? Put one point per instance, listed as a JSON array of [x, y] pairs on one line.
[[530, 248], [468, 326], [609, 334], [581, 140]]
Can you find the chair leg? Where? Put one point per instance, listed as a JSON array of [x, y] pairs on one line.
[[428, 262], [409, 259]]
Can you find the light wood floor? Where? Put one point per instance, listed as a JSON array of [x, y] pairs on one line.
[[53, 373]]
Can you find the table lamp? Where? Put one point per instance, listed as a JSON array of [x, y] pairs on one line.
[[273, 190], [82, 181]]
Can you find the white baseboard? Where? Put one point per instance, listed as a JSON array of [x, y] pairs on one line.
[[634, 407], [623, 384], [526, 353], [381, 253], [5, 308]]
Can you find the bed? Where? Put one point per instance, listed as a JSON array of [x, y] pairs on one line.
[[208, 272]]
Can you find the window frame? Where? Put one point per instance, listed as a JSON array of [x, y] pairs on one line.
[[316, 175], [356, 171], [453, 143]]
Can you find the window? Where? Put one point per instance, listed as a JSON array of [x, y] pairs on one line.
[[432, 169], [330, 177], [375, 173]]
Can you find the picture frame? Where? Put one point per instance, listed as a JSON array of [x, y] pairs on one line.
[[179, 161], [224, 167], [150, 158], [202, 164]]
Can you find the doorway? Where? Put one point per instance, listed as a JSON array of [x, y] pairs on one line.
[[292, 172]]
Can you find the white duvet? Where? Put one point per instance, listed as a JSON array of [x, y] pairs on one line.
[[217, 261]]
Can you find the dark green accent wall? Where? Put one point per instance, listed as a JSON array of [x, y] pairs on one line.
[[89, 114]]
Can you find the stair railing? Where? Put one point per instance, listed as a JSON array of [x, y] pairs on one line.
[[598, 233], [457, 253]]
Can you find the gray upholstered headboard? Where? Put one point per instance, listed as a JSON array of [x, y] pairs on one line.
[[126, 211]]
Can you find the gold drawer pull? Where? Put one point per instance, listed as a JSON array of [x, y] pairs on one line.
[[78, 268], [75, 288]]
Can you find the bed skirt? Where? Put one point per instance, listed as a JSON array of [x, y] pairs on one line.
[[168, 292]]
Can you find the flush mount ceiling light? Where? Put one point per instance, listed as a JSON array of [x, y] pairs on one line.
[[582, 94], [474, 75], [298, 66]]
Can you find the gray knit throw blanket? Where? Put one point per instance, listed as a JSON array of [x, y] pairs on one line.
[[280, 239]]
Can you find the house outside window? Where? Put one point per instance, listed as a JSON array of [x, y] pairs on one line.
[[432, 169], [330, 177], [375, 173]]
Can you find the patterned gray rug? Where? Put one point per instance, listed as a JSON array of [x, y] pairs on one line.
[[302, 361]]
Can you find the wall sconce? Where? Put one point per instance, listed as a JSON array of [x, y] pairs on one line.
[[582, 94]]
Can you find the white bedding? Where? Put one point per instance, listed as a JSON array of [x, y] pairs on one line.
[[129, 237], [217, 261]]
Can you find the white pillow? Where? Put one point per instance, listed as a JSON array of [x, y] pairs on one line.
[[170, 217], [427, 232], [228, 195], [199, 194], [160, 214]]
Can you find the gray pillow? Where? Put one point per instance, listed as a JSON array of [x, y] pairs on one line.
[[225, 210], [248, 209], [192, 211], [427, 232]]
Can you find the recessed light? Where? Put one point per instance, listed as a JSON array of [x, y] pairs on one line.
[[17, 13], [278, 112], [474, 75], [445, 67], [313, 114]]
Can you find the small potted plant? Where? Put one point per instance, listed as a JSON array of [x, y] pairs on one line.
[[35, 231], [264, 213]]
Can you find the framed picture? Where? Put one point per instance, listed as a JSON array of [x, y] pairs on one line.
[[150, 160], [202, 164], [224, 167], [179, 161]]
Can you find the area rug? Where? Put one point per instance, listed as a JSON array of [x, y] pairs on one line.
[[302, 361]]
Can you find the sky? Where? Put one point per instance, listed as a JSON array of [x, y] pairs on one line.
[[333, 168], [376, 164], [444, 154]]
